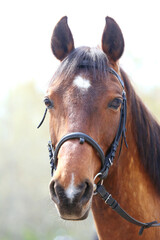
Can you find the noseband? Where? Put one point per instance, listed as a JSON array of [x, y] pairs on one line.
[[106, 161]]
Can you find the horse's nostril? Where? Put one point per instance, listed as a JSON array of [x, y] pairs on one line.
[[53, 192], [87, 192]]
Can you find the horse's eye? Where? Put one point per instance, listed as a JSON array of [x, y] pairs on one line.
[[115, 103], [48, 103]]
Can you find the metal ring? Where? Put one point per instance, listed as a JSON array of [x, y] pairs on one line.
[[97, 175], [101, 182]]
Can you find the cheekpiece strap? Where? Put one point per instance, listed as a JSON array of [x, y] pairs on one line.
[[51, 156]]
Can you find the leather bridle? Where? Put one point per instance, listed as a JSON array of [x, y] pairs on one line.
[[106, 161]]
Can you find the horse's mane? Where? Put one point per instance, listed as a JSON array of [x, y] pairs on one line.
[[146, 132]]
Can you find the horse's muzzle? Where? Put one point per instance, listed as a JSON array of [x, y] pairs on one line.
[[73, 202]]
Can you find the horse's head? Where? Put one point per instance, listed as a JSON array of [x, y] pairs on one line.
[[82, 97]]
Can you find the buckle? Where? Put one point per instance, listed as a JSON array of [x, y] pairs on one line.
[[107, 198]]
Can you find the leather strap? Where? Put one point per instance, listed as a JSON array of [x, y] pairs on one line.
[[107, 197], [121, 133], [43, 118], [82, 138], [111, 70]]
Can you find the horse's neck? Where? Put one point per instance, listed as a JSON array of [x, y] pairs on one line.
[[130, 185]]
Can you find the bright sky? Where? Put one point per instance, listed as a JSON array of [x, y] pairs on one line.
[[26, 27]]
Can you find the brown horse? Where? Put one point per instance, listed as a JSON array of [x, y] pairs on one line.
[[85, 97]]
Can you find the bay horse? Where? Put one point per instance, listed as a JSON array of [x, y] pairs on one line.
[[95, 114]]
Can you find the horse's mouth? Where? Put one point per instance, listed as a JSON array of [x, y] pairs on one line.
[[75, 218], [73, 212]]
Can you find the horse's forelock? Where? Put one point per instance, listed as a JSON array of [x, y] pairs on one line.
[[93, 60]]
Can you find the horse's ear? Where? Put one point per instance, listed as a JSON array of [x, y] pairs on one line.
[[112, 40], [62, 42]]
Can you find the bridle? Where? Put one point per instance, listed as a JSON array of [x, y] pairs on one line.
[[106, 160]]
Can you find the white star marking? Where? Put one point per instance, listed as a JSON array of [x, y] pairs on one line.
[[82, 83]]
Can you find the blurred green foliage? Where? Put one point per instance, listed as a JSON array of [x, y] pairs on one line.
[[26, 211]]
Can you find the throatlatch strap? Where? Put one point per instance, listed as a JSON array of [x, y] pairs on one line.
[[107, 197]]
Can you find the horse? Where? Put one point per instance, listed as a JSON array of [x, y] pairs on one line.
[[94, 115]]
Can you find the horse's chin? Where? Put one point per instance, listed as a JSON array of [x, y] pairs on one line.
[[76, 206], [72, 214], [75, 218]]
